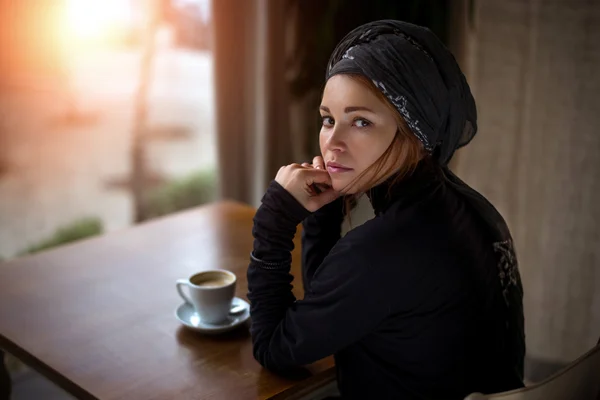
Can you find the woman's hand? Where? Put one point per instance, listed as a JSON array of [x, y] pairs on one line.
[[309, 184]]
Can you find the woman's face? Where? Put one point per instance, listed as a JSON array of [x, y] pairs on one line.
[[357, 129]]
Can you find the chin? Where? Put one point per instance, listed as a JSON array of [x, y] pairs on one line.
[[338, 185]]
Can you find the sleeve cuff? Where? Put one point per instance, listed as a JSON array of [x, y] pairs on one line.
[[283, 204]]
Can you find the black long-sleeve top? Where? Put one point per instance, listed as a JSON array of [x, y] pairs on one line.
[[396, 300]]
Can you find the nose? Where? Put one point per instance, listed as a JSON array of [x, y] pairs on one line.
[[335, 139]]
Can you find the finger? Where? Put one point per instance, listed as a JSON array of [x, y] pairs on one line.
[[321, 187], [318, 162], [318, 176], [306, 165]]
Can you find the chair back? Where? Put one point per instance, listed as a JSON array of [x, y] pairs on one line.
[[580, 380]]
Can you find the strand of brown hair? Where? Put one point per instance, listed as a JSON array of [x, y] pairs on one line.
[[405, 149]]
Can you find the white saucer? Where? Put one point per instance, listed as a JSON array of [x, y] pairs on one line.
[[186, 314]]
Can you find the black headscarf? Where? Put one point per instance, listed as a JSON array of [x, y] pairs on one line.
[[418, 75], [421, 78]]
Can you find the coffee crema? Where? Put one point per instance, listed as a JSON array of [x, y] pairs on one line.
[[213, 279]]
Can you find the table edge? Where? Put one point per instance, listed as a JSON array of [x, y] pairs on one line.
[[50, 373], [296, 392], [180, 213]]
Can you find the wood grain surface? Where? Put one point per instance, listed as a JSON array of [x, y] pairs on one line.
[[97, 317]]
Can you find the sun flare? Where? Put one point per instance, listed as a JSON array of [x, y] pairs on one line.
[[94, 20]]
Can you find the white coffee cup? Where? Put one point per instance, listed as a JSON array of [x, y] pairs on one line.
[[210, 293]]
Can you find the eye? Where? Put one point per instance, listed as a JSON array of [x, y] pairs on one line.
[[362, 123], [327, 121]]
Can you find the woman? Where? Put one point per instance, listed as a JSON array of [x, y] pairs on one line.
[[425, 300]]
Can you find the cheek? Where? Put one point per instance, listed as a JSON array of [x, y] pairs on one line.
[[322, 140], [367, 148]]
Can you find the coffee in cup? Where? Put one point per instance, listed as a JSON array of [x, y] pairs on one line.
[[210, 293]]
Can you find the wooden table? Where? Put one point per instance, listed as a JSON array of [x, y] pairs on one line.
[[97, 317]]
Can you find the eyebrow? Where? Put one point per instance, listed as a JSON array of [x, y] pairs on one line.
[[349, 109]]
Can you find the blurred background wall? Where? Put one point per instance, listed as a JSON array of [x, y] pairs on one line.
[[533, 67]]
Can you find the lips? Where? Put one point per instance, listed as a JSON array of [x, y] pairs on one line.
[[335, 168]]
